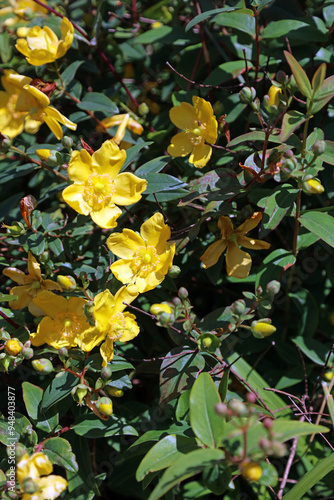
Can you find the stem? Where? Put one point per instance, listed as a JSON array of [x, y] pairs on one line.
[[39, 163], [289, 464], [10, 321], [257, 63]]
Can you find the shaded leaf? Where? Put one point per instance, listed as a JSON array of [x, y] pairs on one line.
[[320, 224]]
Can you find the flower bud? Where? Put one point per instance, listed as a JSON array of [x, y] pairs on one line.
[[50, 157], [27, 352], [4, 335], [319, 147], [156, 309], [20, 450], [266, 445], [114, 391], [208, 342], [143, 109], [238, 307], [67, 142], [63, 352], [66, 282], [79, 393], [261, 329], [247, 95], [278, 449], [221, 409], [251, 398], [250, 470], [238, 407], [183, 293], [13, 347], [177, 301], [104, 406], [5, 143], [313, 186], [106, 372], [273, 94], [273, 287], [267, 423], [328, 376], [174, 272], [29, 486], [165, 318], [42, 365], [281, 76], [44, 257]]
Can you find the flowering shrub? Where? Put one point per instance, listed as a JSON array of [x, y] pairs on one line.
[[166, 248]]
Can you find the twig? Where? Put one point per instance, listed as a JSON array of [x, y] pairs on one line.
[[289, 464], [10, 321]]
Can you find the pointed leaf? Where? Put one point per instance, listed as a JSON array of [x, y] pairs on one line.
[[320, 224], [60, 453], [277, 205], [206, 424], [273, 266], [291, 121], [301, 78], [182, 469], [318, 78]]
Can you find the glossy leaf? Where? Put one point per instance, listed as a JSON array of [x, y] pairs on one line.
[[277, 205], [273, 266], [291, 121], [58, 389], [91, 426], [320, 224], [301, 78], [94, 101], [60, 453], [313, 349]]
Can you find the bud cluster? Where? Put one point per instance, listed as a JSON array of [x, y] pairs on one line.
[[14, 351]]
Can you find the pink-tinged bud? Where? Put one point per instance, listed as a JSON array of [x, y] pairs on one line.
[[267, 422], [66, 282], [106, 372], [319, 147], [42, 365], [251, 398], [221, 409], [183, 293]]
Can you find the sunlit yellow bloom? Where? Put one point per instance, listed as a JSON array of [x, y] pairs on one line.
[[145, 259], [98, 187], [13, 347], [111, 323], [273, 94], [24, 107], [126, 119], [238, 262], [251, 470], [199, 127], [42, 46], [64, 320], [31, 469], [30, 285], [22, 9]]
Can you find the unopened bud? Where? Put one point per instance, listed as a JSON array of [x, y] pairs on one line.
[[267, 423], [42, 365], [328, 376], [106, 372], [5, 143], [319, 147], [66, 282], [174, 272], [63, 352], [247, 95], [67, 142], [183, 293], [250, 470], [44, 257], [251, 398], [238, 408], [238, 307], [20, 450], [13, 347], [114, 392], [177, 301], [165, 318], [261, 329], [27, 352], [143, 109], [273, 94], [156, 309], [273, 287], [208, 342], [79, 393], [313, 186], [104, 406], [278, 449], [281, 76], [221, 409], [29, 486]]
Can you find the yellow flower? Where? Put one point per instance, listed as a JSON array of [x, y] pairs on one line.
[[145, 259], [64, 320], [23, 106], [98, 187], [42, 46], [313, 186], [273, 94], [30, 469], [13, 347], [199, 127], [123, 120], [238, 262], [111, 323], [30, 285], [23, 9]]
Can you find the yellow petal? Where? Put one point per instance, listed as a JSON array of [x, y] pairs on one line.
[[204, 111], [108, 159], [25, 295], [213, 252], [226, 227], [67, 32], [17, 275], [180, 145], [131, 329], [124, 244], [125, 294], [155, 232], [107, 351], [183, 116], [73, 197], [238, 262], [106, 217], [90, 338], [249, 224], [34, 268], [123, 271], [50, 303], [23, 47], [41, 98], [128, 189], [104, 304], [31, 126], [50, 488], [246, 242], [80, 166], [200, 155], [56, 115], [54, 127], [42, 463]]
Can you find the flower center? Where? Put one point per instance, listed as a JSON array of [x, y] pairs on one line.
[[99, 190], [234, 238], [196, 134], [117, 326], [35, 285], [67, 326], [145, 260]]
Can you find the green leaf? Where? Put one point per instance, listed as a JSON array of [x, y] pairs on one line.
[[32, 396], [206, 424], [5, 47], [178, 372], [161, 182], [318, 79], [301, 78], [291, 121], [36, 243], [223, 385], [131, 153], [224, 72], [153, 166], [273, 266], [308, 310], [205, 15], [58, 389], [164, 453], [328, 155], [69, 73], [166, 34], [182, 469], [60, 453], [217, 478], [295, 29], [277, 205], [94, 101], [91, 426], [241, 19], [311, 478], [313, 349], [320, 224]]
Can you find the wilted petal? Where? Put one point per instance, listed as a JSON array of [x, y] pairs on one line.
[[213, 252], [246, 242], [56, 115], [238, 262], [249, 224]]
